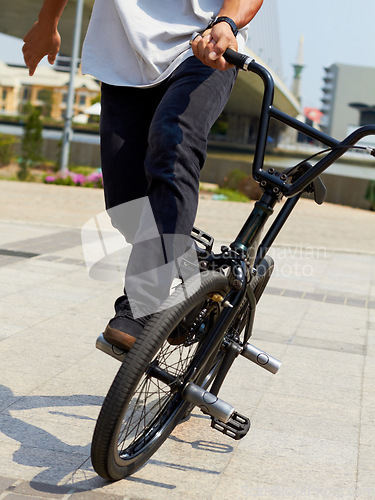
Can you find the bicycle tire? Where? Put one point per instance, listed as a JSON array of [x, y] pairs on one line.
[[264, 272], [111, 458], [240, 326]]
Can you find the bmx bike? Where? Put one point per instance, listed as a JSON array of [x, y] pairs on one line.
[[159, 383]]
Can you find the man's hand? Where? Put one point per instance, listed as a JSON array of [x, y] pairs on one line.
[[211, 45], [40, 41]]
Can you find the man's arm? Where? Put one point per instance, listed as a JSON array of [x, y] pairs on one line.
[[43, 39], [213, 43]]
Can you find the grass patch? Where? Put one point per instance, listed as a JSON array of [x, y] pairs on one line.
[[232, 195], [8, 178]]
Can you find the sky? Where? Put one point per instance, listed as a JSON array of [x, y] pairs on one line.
[[335, 31]]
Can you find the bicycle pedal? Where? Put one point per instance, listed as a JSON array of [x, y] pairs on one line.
[[205, 242], [237, 426]]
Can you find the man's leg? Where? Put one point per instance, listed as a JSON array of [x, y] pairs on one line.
[[194, 97], [190, 102], [124, 127]]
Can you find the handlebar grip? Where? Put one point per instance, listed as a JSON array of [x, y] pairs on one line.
[[242, 61]]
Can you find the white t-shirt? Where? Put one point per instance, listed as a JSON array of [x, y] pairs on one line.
[[140, 42]]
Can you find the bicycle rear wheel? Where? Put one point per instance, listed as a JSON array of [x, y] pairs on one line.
[[144, 403]]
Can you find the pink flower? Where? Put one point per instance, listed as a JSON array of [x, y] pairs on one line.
[[50, 178], [79, 179], [94, 177]]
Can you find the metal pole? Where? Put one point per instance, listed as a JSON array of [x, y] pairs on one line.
[[67, 134]]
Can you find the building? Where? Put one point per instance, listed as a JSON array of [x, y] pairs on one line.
[[47, 89], [348, 99]]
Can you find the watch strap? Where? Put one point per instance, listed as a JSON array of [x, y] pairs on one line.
[[224, 19]]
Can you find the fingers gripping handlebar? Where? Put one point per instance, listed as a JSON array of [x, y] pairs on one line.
[[242, 61]]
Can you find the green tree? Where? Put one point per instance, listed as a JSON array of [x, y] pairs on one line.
[[46, 96], [32, 142]]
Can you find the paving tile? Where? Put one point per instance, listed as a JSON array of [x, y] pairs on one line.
[[315, 426], [38, 464], [280, 480], [334, 299], [366, 457], [292, 293], [48, 243], [329, 409], [318, 297], [235, 487], [367, 435], [40, 490], [366, 483], [16, 496], [302, 449], [6, 261], [6, 483], [92, 495], [320, 392], [356, 302]]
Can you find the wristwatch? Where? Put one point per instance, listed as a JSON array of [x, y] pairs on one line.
[[224, 19]]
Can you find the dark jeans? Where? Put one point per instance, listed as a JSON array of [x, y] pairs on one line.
[[153, 144]]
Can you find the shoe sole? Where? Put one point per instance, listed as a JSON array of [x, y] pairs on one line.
[[119, 339]]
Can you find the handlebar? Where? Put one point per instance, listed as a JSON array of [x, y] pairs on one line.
[[274, 179], [271, 177], [241, 61]]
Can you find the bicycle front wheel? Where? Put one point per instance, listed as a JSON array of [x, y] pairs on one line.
[[240, 328], [144, 403]]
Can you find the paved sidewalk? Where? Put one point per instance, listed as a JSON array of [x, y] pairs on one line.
[[312, 432]]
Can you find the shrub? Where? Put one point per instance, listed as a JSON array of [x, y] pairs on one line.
[[7, 143], [233, 179], [239, 181], [370, 194], [82, 169], [32, 142]]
